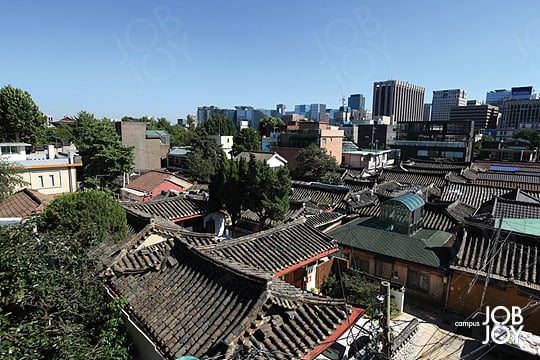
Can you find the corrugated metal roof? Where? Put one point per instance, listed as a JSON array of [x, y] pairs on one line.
[[412, 201], [156, 133]]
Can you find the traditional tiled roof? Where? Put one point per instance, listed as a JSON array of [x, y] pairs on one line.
[[520, 178], [474, 194], [414, 178], [415, 163], [24, 203], [424, 248], [198, 304], [515, 258], [276, 249], [508, 184], [357, 185], [320, 194], [323, 218], [294, 212], [172, 209], [152, 179]]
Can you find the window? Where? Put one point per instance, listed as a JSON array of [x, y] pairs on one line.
[[40, 181], [360, 263], [51, 180], [384, 269], [418, 280]]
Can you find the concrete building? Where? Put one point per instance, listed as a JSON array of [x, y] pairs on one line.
[[366, 159], [374, 136], [444, 100], [435, 139], [485, 116], [225, 142], [357, 102], [518, 114], [150, 146], [399, 100], [303, 133], [52, 172]]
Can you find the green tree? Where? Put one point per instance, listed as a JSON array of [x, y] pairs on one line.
[[267, 191], [247, 140], [228, 189], [268, 124], [314, 164], [219, 124], [103, 154], [205, 156], [20, 118], [92, 215], [51, 304], [10, 179], [531, 135]]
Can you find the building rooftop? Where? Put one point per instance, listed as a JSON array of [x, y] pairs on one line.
[[197, 303], [172, 209], [426, 247], [24, 203], [156, 133]]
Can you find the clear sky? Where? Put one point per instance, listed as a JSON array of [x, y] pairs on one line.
[[165, 58]]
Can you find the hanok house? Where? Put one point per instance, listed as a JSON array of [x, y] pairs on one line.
[[182, 301], [192, 214], [497, 259], [398, 248], [295, 252], [22, 205], [152, 184]]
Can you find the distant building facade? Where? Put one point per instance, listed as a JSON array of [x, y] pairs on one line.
[[399, 100], [51, 172], [150, 146], [357, 102], [427, 112], [485, 116], [435, 139], [444, 100]]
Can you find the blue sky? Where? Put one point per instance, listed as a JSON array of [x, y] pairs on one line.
[[166, 58]]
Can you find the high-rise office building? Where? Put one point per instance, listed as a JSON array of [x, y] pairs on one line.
[[357, 102], [427, 112], [444, 100], [317, 112], [485, 116], [399, 100], [521, 114], [281, 108], [498, 97], [301, 110]]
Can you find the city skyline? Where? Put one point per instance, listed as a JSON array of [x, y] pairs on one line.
[[168, 58]]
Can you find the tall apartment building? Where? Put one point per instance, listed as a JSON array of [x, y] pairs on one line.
[[444, 100], [399, 100], [357, 102]]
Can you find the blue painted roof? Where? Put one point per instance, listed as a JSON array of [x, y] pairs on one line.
[[504, 168], [412, 201]]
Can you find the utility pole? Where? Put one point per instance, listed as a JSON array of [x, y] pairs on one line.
[[387, 341]]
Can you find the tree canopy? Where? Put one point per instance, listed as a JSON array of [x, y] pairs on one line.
[[240, 185], [219, 124], [531, 135], [247, 140], [104, 156], [204, 157], [268, 124], [20, 118], [51, 304], [314, 164], [10, 179], [92, 215]]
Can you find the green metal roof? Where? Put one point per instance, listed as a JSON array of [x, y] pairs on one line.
[[412, 201], [156, 133], [418, 249], [525, 226]]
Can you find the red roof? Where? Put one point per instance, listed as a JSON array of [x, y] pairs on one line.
[[24, 203], [149, 181]]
